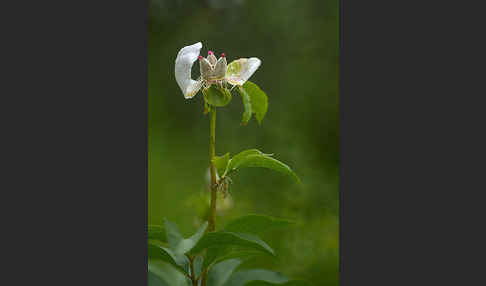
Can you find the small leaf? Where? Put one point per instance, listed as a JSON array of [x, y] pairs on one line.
[[164, 254], [216, 96], [258, 99], [241, 277], [157, 232], [221, 272], [255, 224], [266, 283], [247, 105], [221, 162], [222, 239]]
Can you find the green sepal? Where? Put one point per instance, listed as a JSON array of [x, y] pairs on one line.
[[216, 95]]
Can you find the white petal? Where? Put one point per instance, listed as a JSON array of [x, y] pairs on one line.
[[183, 65], [239, 71], [192, 89]]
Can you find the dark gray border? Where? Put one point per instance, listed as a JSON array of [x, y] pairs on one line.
[[77, 167]]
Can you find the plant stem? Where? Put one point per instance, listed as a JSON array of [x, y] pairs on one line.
[[212, 141], [213, 187]]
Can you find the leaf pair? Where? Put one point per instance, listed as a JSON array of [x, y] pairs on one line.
[[251, 158]]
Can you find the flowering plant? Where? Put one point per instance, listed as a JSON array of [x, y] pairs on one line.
[[210, 257]]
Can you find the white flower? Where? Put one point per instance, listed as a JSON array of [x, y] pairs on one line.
[[213, 70]]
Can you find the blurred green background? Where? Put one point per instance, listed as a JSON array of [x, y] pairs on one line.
[[297, 42]]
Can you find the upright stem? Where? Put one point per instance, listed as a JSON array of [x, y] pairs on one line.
[[212, 141], [213, 187]]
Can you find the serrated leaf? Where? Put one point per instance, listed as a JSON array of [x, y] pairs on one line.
[[223, 239], [167, 273], [221, 272], [247, 105], [216, 96], [164, 254], [221, 162], [264, 161], [266, 283], [258, 100], [157, 232], [242, 277], [255, 224]]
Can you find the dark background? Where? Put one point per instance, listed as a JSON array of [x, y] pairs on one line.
[[297, 42]]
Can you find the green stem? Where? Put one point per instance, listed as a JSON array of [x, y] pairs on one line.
[[213, 187], [212, 141]]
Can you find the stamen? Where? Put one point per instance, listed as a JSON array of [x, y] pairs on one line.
[[210, 52], [223, 55], [200, 57]]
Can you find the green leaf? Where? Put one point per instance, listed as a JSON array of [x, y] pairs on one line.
[[255, 224], [253, 159], [223, 239], [240, 278], [164, 254], [218, 254], [266, 283], [216, 96], [221, 162], [240, 156], [258, 100], [247, 105], [178, 243], [198, 263], [157, 232], [173, 234], [165, 272], [213, 253], [221, 272], [154, 280], [241, 254]]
